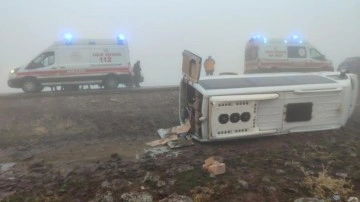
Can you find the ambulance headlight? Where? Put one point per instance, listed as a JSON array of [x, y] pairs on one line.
[[13, 71], [223, 118]]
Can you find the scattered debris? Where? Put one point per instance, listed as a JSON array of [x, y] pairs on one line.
[[171, 136], [213, 166], [176, 198], [162, 141]]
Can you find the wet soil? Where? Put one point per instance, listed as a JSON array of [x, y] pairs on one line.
[[90, 148]]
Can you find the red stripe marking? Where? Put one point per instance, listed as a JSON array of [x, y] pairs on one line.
[[79, 71]]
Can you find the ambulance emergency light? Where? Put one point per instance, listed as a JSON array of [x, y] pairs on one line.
[[294, 39], [68, 38], [120, 39], [258, 37]]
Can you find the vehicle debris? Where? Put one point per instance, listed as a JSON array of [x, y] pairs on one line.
[[174, 137], [213, 166]]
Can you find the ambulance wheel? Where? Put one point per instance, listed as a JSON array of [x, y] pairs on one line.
[[129, 84], [111, 82], [31, 86]]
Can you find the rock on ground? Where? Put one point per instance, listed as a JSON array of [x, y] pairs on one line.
[[176, 198], [136, 197], [307, 200]]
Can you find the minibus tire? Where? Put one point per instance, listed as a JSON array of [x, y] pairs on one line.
[[31, 85], [111, 82]]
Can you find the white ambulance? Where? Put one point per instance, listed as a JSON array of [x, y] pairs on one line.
[[70, 63], [277, 55]]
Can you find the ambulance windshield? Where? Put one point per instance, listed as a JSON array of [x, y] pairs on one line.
[[43, 60], [315, 54]]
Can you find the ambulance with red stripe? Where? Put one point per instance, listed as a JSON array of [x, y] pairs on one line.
[[71, 63], [277, 55]]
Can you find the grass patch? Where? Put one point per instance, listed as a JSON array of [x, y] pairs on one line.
[[324, 186], [187, 180]]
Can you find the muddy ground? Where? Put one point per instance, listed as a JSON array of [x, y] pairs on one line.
[[91, 148]]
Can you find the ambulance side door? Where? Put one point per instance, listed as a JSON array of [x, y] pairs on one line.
[[74, 61], [297, 56]]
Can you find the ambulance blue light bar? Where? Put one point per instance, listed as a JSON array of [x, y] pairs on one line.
[[258, 37], [294, 39], [120, 39], [68, 38]]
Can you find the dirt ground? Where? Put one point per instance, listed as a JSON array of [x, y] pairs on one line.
[[91, 148]]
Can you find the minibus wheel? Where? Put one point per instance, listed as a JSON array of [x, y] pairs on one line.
[[30, 85], [111, 82]]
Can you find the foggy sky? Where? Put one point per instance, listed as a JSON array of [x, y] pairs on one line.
[[159, 30]]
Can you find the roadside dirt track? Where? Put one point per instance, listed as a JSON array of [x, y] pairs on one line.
[[67, 146]]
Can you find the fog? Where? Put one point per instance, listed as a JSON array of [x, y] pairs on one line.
[[158, 31]]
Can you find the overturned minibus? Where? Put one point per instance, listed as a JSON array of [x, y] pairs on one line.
[[243, 106]]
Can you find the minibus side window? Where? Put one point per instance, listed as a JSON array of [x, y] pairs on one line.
[[44, 60]]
